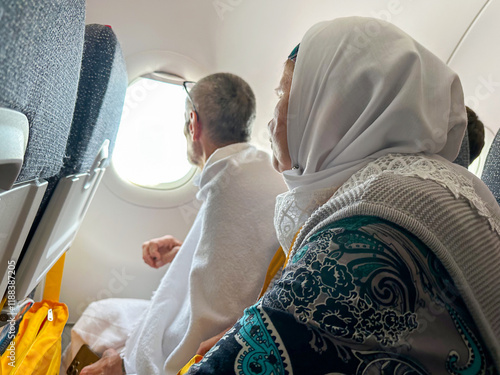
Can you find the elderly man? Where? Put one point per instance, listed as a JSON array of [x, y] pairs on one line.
[[219, 269]]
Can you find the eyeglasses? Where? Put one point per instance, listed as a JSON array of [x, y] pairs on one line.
[[188, 85]]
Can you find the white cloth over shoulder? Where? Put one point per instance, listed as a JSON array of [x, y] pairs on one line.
[[220, 267]]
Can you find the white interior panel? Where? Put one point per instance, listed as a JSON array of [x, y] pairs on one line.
[[18, 206], [57, 228], [14, 133]]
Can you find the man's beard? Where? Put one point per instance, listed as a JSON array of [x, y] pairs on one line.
[[194, 154]]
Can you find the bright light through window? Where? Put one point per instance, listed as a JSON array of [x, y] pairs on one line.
[[150, 149]]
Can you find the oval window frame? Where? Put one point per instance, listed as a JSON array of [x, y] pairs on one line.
[[170, 194]]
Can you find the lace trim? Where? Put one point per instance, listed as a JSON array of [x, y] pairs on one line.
[[427, 169], [293, 209]]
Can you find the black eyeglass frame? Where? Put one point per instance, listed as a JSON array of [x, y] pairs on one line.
[[189, 95]]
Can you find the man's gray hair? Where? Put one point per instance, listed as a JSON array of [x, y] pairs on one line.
[[226, 106]]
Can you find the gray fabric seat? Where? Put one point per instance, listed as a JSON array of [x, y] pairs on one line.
[[101, 94], [40, 56], [41, 45], [99, 104], [463, 157], [491, 171]]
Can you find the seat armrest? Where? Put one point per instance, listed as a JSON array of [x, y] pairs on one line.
[[14, 131]]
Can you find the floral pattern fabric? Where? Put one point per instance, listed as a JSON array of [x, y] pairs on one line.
[[362, 296]]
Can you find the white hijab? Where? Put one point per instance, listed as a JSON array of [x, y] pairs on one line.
[[362, 89]]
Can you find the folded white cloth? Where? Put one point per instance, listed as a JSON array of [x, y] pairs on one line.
[[104, 324]]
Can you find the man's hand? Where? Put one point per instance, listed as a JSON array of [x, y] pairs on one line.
[[160, 251], [109, 364], [205, 346]]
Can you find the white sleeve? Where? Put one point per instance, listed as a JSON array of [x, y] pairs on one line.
[[236, 246], [231, 261]]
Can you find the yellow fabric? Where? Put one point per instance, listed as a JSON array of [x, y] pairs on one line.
[[275, 265], [53, 280], [291, 247], [197, 358], [36, 349], [278, 261]]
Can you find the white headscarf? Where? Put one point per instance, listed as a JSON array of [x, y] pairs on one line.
[[362, 89]]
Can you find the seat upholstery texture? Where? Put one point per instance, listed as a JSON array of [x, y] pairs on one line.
[[463, 157], [491, 171], [99, 103], [41, 45], [101, 94]]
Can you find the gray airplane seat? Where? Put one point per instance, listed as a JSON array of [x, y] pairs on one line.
[[101, 95], [463, 157], [41, 46], [491, 171], [99, 104]]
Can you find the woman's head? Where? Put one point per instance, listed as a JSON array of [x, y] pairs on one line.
[[360, 89]]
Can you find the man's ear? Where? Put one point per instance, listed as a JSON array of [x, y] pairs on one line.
[[194, 126]]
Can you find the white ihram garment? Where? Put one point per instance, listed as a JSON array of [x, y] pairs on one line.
[[219, 269]]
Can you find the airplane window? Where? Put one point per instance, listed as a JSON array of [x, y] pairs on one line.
[[150, 148]]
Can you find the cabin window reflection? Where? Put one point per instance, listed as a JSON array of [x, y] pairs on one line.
[[151, 149]]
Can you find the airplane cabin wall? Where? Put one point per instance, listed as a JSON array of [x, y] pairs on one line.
[[158, 25], [251, 39]]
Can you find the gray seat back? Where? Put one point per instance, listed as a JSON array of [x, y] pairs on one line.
[[463, 157], [101, 95], [491, 171], [40, 57], [41, 45]]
